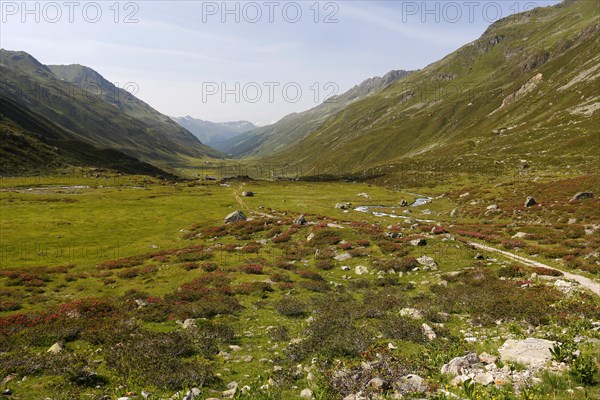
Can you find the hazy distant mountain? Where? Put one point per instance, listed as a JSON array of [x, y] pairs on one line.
[[294, 127], [214, 134], [81, 102]]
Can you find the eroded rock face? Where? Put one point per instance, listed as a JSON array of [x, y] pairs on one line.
[[523, 90], [531, 351]]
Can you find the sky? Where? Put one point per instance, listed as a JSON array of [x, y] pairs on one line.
[[256, 60]]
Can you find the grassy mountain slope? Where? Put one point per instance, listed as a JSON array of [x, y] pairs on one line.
[[292, 128], [485, 101], [212, 133], [93, 110], [31, 143]]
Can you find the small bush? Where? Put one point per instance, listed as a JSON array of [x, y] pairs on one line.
[[291, 307], [251, 269]]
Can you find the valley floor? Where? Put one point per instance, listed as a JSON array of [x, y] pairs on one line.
[[120, 286]]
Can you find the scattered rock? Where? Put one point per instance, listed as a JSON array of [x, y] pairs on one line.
[[427, 261], [192, 394], [487, 358], [530, 351], [300, 220], [56, 348], [361, 270], [410, 384], [343, 257], [454, 212], [141, 303], [428, 332], [377, 383], [188, 323], [366, 196], [519, 235], [530, 202], [457, 365], [565, 286], [412, 313], [306, 394], [418, 242], [581, 196], [236, 216], [343, 206], [484, 378]]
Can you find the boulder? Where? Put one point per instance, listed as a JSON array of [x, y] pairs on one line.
[[56, 348], [306, 394], [428, 332], [484, 378], [343, 206], [411, 312], [458, 364], [300, 220], [188, 323], [530, 202], [248, 194], [377, 383], [411, 384], [361, 270], [565, 286], [343, 257], [531, 351], [427, 261], [581, 196], [519, 235], [236, 216], [403, 203], [418, 242]]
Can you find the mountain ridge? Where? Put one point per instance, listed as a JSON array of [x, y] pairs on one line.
[[81, 101], [294, 127]]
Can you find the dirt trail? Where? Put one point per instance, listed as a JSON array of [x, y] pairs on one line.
[[239, 199], [587, 283]]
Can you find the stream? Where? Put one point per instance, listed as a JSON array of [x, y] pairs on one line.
[[419, 201]]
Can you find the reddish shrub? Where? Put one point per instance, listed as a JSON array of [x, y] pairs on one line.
[[251, 268], [312, 275]]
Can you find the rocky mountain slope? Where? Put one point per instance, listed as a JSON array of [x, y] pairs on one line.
[[292, 128], [31, 143], [527, 89], [79, 100]]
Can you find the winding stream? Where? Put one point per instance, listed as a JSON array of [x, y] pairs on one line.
[[419, 201]]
